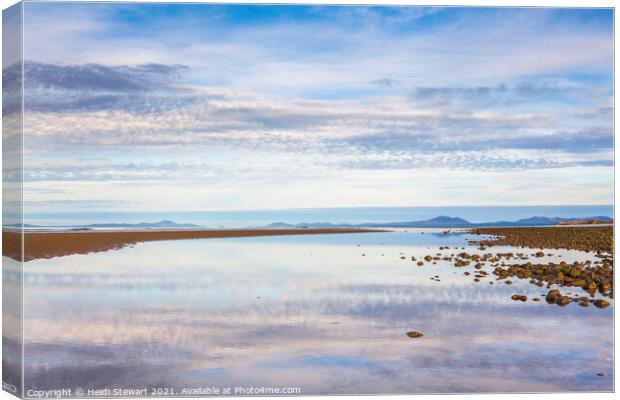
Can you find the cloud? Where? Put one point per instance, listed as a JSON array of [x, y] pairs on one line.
[[97, 77], [71, 88], [204, 96], [544, 90], [204, 116], [331, 48]]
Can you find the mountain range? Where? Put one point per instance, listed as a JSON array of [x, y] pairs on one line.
[[443, 222], [160, 224]]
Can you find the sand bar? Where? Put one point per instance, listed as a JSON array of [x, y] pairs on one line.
[[56, 244]]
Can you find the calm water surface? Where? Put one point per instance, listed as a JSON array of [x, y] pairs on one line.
[[316, 312]]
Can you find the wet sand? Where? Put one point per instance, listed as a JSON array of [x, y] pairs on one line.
[[56, 244]]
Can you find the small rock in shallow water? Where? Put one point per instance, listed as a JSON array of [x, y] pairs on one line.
[[600, 374], [601, 303], [552, 296], [519, 297], [562, 301], [414, 334], [461, 263]]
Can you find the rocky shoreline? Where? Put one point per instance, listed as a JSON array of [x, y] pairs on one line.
[[585, 238], [593, 277]]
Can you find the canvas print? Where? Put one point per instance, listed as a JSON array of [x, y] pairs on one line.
[[288, 200]]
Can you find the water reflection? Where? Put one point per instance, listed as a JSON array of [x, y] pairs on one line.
[[316, 312]]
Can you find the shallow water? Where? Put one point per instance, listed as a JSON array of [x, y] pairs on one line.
[[319, 313]]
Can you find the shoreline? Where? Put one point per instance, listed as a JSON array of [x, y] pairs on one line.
[[43, 245], [588, 238]]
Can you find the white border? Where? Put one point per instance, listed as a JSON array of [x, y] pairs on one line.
[[480, 3]]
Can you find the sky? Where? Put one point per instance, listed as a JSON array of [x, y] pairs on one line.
[[138, 107]]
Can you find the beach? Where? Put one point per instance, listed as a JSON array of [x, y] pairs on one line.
[[324, 312], [61, 243]]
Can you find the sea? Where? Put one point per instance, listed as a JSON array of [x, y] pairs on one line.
[[309, 314]]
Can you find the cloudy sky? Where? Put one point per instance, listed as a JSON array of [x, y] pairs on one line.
[[202, 107]]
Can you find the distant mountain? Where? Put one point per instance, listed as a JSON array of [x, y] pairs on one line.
[[442, 222], [20, 225], [546, 221], [438, 222], [160, 224]]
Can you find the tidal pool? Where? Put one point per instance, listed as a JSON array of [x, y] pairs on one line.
[[327, 314]]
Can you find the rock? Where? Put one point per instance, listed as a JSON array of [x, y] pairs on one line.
[[428, 258], [579, 282], [461, 263], [535, 299], [562, 301], [508, 282], [601, 303], [539, 254], [552, 296], [420, 263], [590, 287], [414, 334], [519, 297]]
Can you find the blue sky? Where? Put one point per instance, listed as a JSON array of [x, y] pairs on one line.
[[204, 107]]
